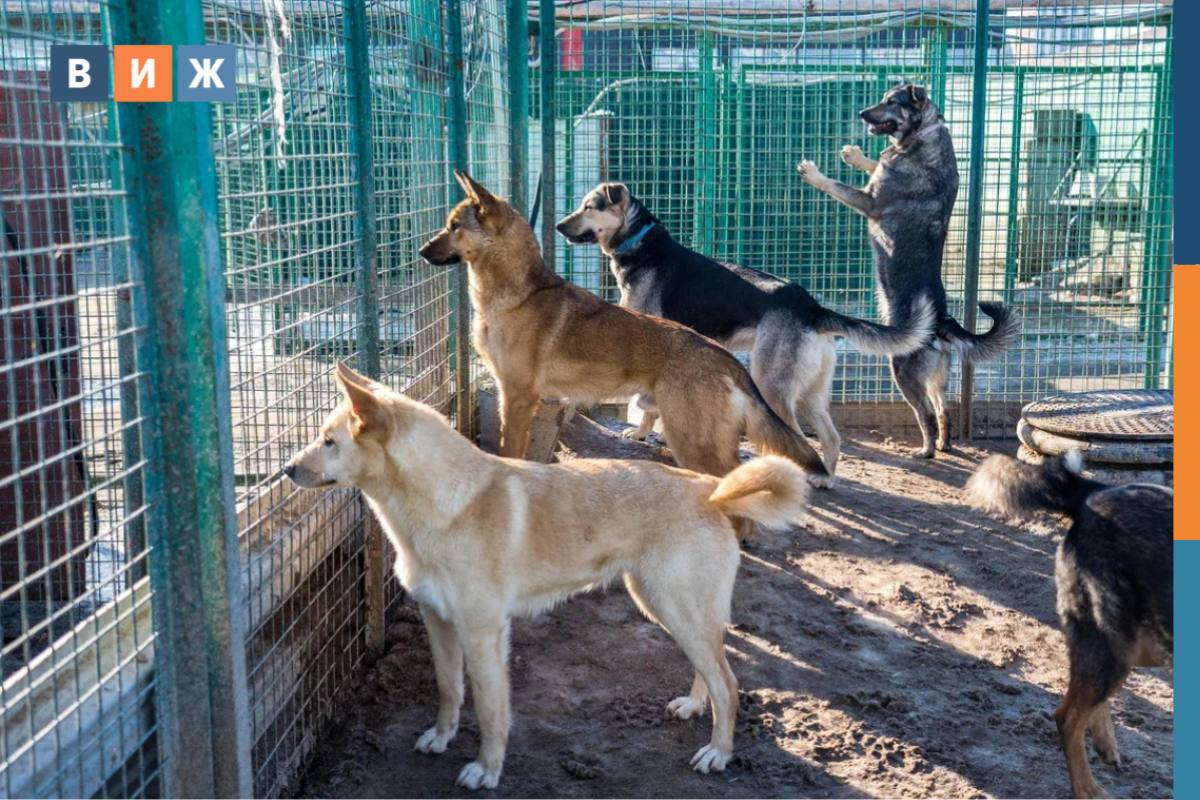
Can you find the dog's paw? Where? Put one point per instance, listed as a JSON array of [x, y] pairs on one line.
[[686, 707], [853, 155], [433, 742], [710, 758], [1107, 752], [476, 776], [635, 434], [821, 481], [922, 452], [809, 172]]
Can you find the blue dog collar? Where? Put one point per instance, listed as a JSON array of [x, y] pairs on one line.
[[631, 242]]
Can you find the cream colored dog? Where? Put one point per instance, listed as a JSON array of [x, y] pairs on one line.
[[481, 539]]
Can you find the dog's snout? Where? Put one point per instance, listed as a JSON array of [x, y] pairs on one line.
[[561, 227], [424, 251], [290, 470]]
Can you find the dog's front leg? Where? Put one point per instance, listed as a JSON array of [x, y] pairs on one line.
[[517, 408], [856, 199], [448, 667], [486, 649], [853, 155]]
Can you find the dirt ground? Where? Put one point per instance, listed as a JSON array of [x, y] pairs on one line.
[[899, 644]]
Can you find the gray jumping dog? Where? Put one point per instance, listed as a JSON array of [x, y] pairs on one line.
[[907, 203]]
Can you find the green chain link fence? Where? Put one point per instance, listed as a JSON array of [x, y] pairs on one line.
[[180, 279]]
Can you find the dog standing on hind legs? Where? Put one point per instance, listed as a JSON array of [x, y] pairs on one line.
[[1114, 579], [907, 203]]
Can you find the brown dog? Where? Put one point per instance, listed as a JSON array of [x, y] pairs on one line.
[[543, 337]]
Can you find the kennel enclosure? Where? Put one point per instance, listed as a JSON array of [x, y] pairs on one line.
[[180, 279]]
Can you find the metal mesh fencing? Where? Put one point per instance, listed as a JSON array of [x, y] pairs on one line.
[[78, 694], [704, 110]]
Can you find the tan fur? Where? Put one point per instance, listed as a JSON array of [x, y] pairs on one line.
[[543, 337], [480, 539]]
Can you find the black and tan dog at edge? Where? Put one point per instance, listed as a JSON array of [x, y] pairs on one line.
[[1114, 577], [542, 337], [907, 203]]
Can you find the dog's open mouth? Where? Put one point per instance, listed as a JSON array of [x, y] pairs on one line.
[[886, 128], [584, 237]]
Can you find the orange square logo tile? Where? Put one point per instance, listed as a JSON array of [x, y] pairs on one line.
[[142, 74]]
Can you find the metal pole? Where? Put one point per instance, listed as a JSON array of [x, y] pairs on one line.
[[194, 556], [518, 105], [974, 205], [1014, 180], [458, 155], [358, 90], [547, 72]]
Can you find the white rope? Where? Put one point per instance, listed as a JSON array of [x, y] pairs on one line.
[[275, 16]]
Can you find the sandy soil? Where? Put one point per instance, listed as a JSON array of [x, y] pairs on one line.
[[897, 645]]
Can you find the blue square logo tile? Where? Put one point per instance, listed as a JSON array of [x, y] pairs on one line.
[[206, 73], [78, 72]]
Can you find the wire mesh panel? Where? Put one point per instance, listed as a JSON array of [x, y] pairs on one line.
[[286, 202], [704, 109], [78, 694]]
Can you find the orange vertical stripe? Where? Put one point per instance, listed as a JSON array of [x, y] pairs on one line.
[[1187, 402]]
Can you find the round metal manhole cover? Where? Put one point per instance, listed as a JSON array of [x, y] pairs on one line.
[[1145, 414]]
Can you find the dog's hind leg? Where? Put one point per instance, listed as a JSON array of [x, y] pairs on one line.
[[1096, 672], [486, 649], [698, 627], [1104, 737], [814, 404], [448, 668], [908, 372], [935, 390]]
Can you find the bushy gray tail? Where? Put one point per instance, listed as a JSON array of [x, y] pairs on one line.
[[1007, 486], [984, 346], [883, 340]]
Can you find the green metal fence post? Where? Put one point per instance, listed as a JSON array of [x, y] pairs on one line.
[[518, 105], [547, 72], [458, 158], [194, 562], [1014, 184], [936, 56], [358, 90], [974, 204], [1157, 271], [704, 126]]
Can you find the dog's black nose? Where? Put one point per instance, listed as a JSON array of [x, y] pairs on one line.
[[561, 227], [290, 470], [424, 251]]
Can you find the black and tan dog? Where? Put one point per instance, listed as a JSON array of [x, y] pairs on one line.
[[907, 203], [788, 333], [1115, 585], [543, 337]]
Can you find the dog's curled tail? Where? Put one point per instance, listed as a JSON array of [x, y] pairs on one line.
[[900, 339], [1007, 486], [984, 346], [769, 490]]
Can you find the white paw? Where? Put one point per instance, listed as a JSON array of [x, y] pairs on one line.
[[475, 776], [686, 707], [809, 172], [821, 481], [633, 433], [433, 742], [852, 154], [710, 758]]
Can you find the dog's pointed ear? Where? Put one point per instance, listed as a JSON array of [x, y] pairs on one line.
[[476, 191], [360, 394], [615, 193], [919, 95]]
